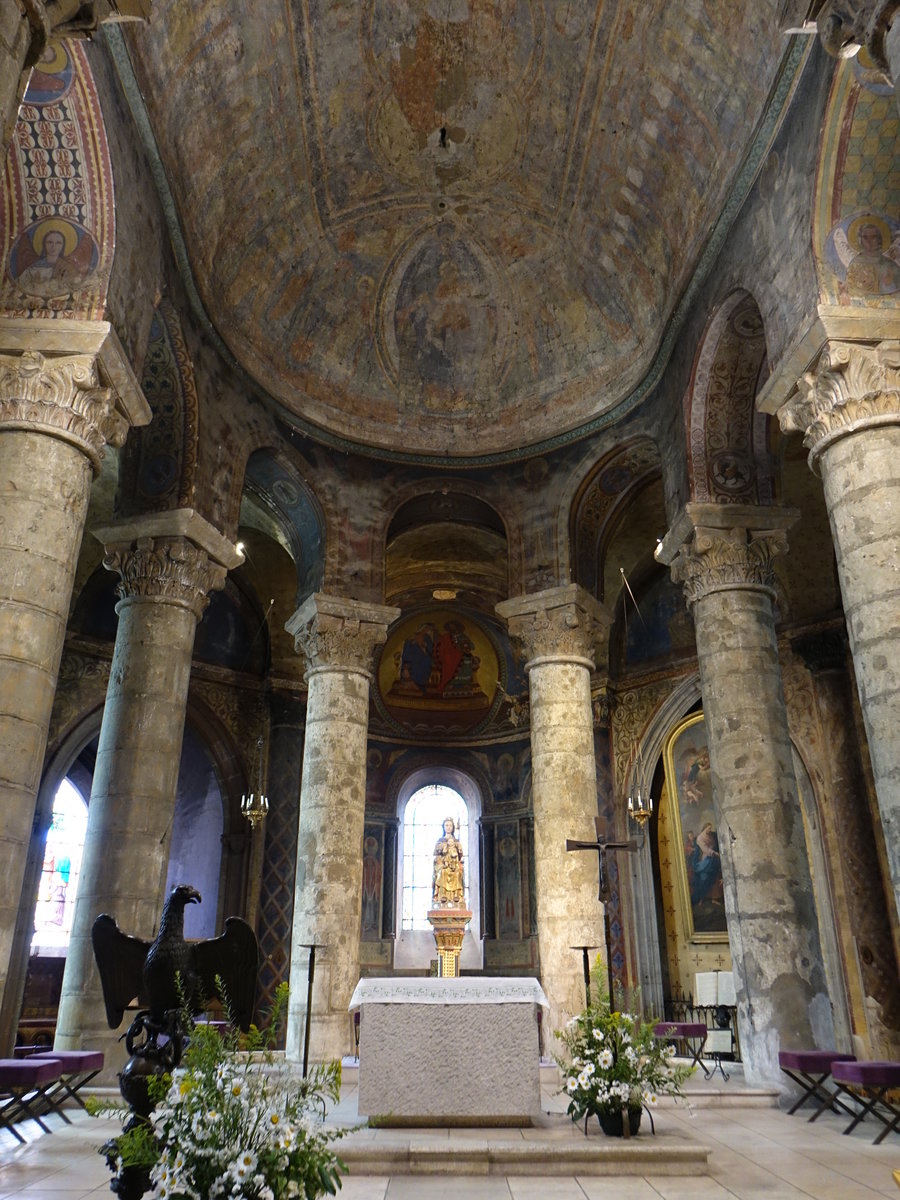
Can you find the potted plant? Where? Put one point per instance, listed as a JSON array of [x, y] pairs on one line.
[[230, 1122], [613, 1067]]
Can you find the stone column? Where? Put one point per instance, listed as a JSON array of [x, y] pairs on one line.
[[848, 407], [723, 554], [559, 629], [338, 639], [56, 417], [169, 563]]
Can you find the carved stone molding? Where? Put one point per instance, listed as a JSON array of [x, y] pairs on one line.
[[336, 634], [845, 26], [170, 569], [61, 397], [853, 386], [723, 560], [559, 624]]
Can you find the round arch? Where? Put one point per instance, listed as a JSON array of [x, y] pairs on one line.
[[415, 948], [729, 458]]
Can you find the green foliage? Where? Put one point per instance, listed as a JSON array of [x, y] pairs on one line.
[[613, 1061], [233, 1120]]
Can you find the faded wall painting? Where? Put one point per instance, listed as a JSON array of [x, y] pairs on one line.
[[689, 785], [439, 672], [856, 231], [373, 871]]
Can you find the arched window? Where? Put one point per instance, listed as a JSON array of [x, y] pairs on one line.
[[59, 874], [423, 818]]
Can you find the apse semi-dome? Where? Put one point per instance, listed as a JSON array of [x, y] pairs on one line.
[[451, 226]]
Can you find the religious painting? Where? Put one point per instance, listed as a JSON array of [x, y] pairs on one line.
[[509, 881], [698, 865], [373, 858], [863, 250], [439, 673], [54, 257]]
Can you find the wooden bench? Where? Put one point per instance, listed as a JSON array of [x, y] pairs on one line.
[[810, 1069], [872, 1082]]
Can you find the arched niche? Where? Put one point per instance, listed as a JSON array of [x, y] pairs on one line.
[[446, 545], [414, 949]]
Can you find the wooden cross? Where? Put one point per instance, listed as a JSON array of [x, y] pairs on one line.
[[602, 895]]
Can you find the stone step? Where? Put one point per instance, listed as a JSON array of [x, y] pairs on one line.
[[490, 1155]]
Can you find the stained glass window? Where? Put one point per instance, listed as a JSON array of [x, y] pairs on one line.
[[59, 874]]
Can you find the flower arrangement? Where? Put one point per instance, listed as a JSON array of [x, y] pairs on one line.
[[613, 1063], [232, 1124]]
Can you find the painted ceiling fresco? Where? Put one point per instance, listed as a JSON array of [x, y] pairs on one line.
[[452, 225]]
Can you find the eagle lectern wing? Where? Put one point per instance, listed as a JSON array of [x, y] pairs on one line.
[[234, 957], [120, 961]]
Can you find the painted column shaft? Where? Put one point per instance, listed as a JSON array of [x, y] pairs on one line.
[[861, 478], [560, 629], [44, 493], [337, 638], [126, 849], [564, 798], [169, 563], [848, 408], [772, 924], [329, 861]]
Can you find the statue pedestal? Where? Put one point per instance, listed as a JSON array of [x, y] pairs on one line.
[[449, 925]]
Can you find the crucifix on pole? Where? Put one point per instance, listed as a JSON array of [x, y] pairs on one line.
[[601, 847]]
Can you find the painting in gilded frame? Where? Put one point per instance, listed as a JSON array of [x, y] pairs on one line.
[[698, 865]]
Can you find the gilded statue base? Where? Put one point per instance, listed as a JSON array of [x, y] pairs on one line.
[[449, 925]]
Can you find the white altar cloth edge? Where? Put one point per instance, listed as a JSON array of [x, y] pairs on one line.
[[462, 990]]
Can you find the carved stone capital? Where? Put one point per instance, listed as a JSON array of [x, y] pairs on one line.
[[559, 624], [722, 560], [336, 634], [175, 556], [169, 569], [845, 26], [853, 386], [62, 397]]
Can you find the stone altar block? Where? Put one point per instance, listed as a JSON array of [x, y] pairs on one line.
[[449, 1051]]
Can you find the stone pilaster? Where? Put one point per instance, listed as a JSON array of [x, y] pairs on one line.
[[338, 639], [57, 412], [848, 408], [168, 563], [863, 926], [723, 555], [563, 631]]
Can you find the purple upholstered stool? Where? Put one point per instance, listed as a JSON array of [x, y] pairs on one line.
[[686, 1032], [873, 1080], [77, 1067], [809, 1069], [24, 1082]]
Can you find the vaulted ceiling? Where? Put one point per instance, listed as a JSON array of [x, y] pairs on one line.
[[451, 225]]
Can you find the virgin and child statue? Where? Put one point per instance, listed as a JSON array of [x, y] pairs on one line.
[[448, 886]]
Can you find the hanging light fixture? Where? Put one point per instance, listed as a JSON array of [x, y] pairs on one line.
[[255, 807], [640, 807]]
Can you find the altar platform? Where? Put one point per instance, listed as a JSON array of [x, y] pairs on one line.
[[753, 1148]]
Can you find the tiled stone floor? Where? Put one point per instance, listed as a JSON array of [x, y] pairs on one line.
[[757, 1153]]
